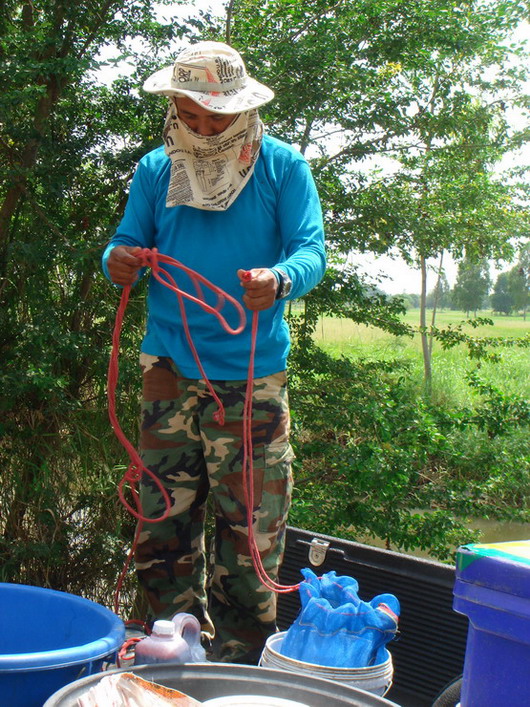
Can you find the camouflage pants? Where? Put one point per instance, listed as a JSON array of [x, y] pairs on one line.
[[193, 457]]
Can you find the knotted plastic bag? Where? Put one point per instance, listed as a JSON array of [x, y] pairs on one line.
[[335, 628]]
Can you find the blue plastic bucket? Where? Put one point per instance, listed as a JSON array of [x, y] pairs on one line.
[[492, 589], [49, 639]]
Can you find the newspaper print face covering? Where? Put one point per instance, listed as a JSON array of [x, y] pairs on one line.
[[209, 171]]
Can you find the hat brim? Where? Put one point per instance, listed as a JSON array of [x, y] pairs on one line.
[[252, 95]]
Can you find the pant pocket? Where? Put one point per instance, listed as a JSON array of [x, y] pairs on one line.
[[271, 504]]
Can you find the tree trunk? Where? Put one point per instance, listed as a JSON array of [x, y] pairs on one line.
[[23, 163], [27, 160], [435, 303], [427, 370], [229, 17]]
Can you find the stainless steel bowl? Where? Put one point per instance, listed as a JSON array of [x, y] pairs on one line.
[[204, 681]]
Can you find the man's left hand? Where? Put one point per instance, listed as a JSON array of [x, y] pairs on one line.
[[261, 286]]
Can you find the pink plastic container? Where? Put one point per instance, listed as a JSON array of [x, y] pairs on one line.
[[164, 645]]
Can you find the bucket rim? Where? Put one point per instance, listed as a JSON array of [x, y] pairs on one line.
[[64, 657], [272, 676], [338, 670]]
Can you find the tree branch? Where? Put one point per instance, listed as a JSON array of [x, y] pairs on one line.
[[229, 15], [310, 21]]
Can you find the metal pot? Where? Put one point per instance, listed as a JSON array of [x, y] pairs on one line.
[[204, 681]]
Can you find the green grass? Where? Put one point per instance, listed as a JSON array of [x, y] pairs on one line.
[[342, 337]]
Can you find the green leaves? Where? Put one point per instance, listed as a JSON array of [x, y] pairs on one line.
[[499, 412], [68, 147], [402, 110], [377, 463]]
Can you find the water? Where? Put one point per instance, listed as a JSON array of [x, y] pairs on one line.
[[492, 531]]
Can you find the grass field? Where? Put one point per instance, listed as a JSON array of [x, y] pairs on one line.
[[345, 337]]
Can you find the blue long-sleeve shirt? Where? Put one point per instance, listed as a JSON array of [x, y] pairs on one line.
[[276, 221]]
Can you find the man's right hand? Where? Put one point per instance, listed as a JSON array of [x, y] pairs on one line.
[[123, 264]]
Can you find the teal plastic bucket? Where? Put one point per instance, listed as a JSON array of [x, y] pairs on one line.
[[49, 639]]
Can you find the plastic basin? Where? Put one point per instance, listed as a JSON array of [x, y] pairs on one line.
[[48, 639]]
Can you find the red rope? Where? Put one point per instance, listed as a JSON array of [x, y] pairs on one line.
[[132, 476], [248, 477], [124, 653]]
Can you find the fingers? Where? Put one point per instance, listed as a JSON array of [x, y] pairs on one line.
[[123, 264], [260, 288]]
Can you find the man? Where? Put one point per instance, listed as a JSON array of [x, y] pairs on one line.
[[241, 209]]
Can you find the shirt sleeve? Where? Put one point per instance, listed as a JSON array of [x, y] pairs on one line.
[[137, 227], [302, 229]]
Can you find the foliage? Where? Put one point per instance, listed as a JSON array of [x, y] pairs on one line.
[[519, 286], [472, 285], [382, 75], [410, 301], [67, 149], [519, 280], [499, 413], [511, 291], [479, 347], [501, 298], [373, 460]]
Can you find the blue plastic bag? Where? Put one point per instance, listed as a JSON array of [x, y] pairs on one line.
[[337, 629]]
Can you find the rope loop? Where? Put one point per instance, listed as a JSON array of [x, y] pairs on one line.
[[148, 258], [152, 258], [219, 415], [133, 473]]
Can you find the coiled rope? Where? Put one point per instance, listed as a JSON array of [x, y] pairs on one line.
[[153, 259]]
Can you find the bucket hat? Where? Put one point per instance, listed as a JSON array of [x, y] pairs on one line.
[[214, 76]]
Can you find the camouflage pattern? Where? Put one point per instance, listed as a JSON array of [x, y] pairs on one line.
[[193, 456]]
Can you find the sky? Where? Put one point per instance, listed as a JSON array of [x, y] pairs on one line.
[[398, 277]]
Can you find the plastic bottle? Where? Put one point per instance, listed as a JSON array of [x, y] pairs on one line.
[[164, 645]]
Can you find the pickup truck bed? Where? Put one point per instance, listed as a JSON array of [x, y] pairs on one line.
[[429, 651]]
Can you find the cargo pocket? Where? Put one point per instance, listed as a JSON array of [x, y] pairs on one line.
[[272, 471]]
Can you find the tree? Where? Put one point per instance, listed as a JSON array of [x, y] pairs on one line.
[[501, 298], [410, 301], [519, 281], [472, 285], [440, 295], [391, 104], [68, 145], [356, 81]]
